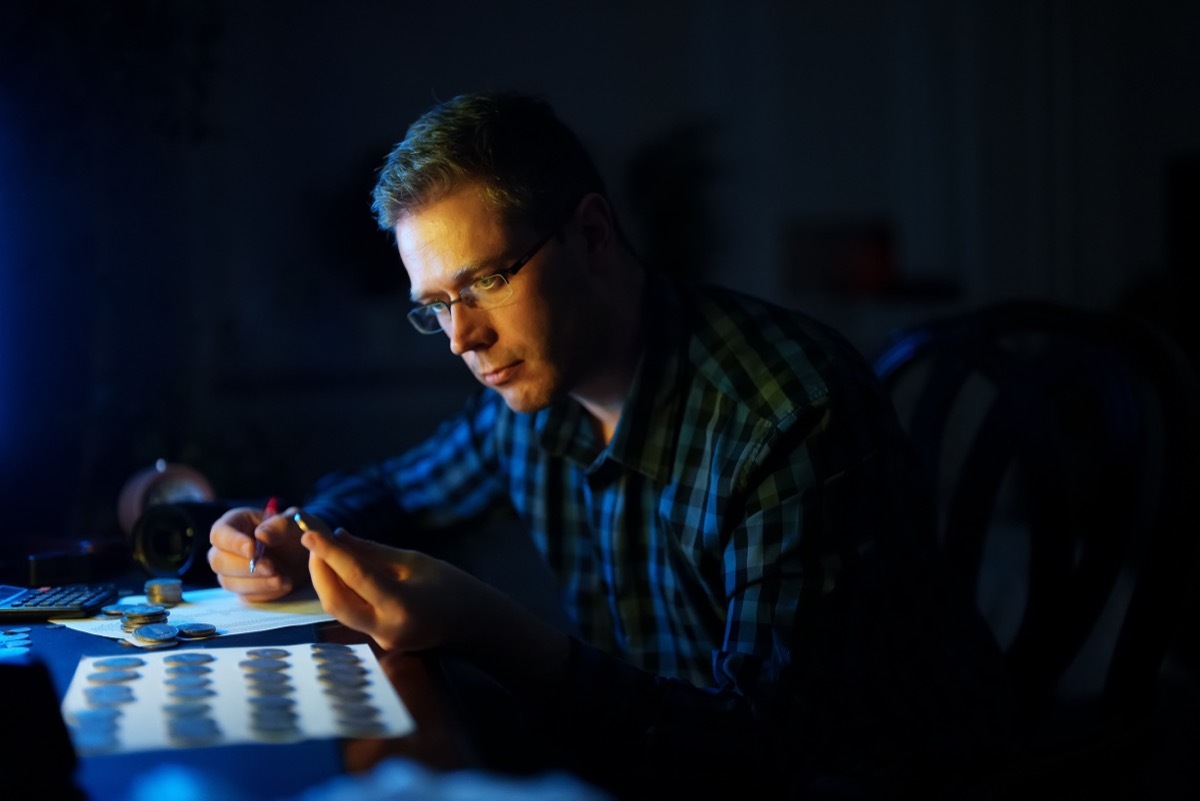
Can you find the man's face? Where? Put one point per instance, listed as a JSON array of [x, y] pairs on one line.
[[527, 348]]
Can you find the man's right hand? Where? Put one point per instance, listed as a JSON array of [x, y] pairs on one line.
[[282, 566]]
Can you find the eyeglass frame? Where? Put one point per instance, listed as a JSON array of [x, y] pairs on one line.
[[504, 275]]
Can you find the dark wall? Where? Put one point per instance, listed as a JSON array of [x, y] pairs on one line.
[[188, 268]]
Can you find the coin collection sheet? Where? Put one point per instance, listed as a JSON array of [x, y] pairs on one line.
[[220, 696]]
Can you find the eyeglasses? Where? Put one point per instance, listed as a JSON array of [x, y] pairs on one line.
[[484, 293]]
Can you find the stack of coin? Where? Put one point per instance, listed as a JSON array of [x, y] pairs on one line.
[[164, 591]]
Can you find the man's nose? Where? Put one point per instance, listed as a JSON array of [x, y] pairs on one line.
[[467, 329]]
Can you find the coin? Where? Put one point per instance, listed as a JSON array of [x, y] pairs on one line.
[[108, 694], [347, 693], [195, 631], [263, 664], [115, 610], [188, 657], [268, 653], [140, 610], [263, 677], [187, 681], [271, 702], [164, 591], [193, 731], [119, 662], [156, 632], [99, 717], [187, 669], [113, 676], [269, 689]]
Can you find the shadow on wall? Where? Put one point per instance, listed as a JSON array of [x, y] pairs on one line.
[[668, 182]]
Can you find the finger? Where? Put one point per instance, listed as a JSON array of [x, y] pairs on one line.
[[256, 590], [338, 598], [338, 554], [234, 531], [232, 563], [306, 521]]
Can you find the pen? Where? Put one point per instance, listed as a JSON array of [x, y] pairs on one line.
[[270, 510]]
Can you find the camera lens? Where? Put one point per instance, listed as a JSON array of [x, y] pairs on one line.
[[171, 539]]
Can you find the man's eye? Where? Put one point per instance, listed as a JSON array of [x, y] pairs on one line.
[[488, 284], [437, 308]]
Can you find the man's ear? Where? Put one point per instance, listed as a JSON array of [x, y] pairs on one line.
[[596, 223]]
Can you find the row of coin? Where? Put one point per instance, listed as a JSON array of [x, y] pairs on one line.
[[188, 713]]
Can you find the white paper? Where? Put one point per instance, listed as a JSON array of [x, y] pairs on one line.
[[220, 607], [143, 722]]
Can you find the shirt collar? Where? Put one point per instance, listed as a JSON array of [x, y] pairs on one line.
[[645, 438]]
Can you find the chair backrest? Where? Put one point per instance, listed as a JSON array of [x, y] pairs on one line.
[[1063, 446]]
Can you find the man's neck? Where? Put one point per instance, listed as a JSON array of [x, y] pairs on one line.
[[604, 395]]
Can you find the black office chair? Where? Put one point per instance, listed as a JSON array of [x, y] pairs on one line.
[[1063, 445]]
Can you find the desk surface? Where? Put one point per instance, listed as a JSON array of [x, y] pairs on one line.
[[270, 770]]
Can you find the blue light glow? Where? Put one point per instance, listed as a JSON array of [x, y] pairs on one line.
[[8, 291]]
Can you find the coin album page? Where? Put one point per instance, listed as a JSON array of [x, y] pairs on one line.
[[220, 696]]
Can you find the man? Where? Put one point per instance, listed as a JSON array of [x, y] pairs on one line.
[[720, 486]]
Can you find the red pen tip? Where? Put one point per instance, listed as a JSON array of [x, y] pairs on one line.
[[272, 508]]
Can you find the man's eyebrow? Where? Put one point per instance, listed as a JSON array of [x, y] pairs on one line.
[[460, 278]]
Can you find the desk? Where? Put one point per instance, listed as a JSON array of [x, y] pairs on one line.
[[269, 771]]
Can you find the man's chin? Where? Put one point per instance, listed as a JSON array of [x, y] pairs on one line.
[[522, 402]]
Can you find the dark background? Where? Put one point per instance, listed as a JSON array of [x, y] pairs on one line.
[[189, 269]]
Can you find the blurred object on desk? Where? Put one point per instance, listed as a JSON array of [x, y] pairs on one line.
[[394, 779], [163, 482]]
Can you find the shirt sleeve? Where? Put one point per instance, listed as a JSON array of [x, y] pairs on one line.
[[833, 671], [452, 477]]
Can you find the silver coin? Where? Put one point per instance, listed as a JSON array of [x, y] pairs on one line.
[[188, 657], [186, 709], [119, 662], [341, 669], [187, 669], [113, 676], [156, 632], [193, 731], [361, 727], [108, 694], [280, 689], [115, 610], [274, 720], [347, 693], [187, 681], [140, 610], [195, 631], [268, 653], [17, 630], [271, 702], [355, 711], [263, 664], [97, 717]]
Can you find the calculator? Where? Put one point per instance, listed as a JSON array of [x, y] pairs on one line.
[[62, 600]]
